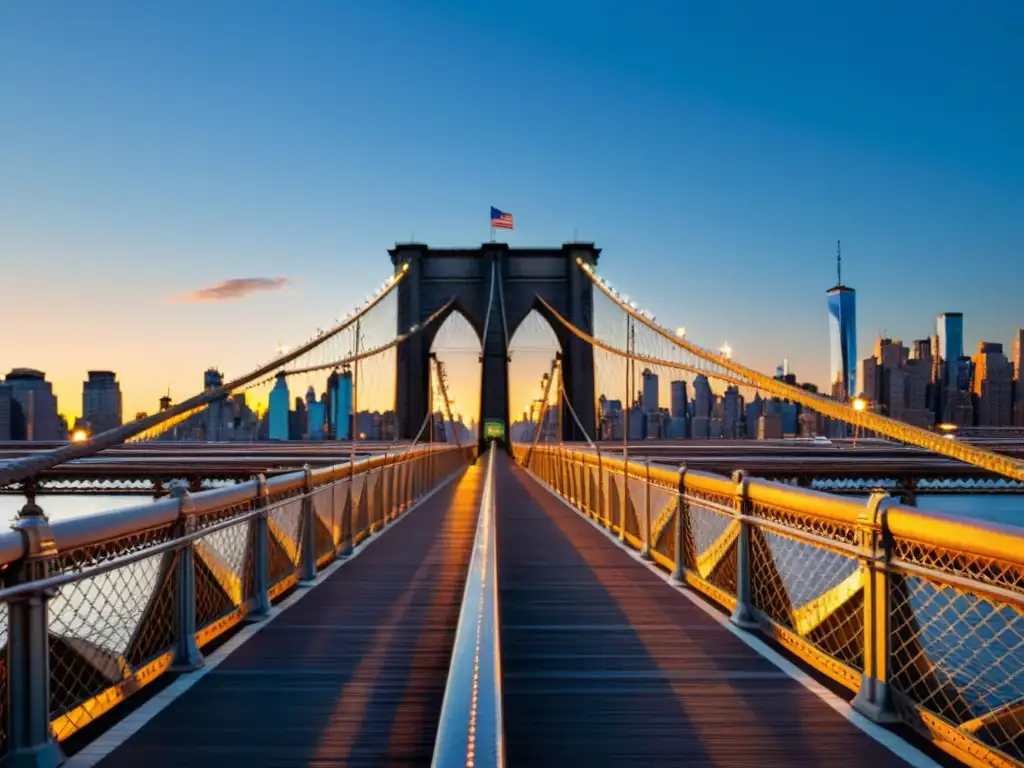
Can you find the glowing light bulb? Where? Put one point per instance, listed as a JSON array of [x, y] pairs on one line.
[[726, 350], [681, 331]]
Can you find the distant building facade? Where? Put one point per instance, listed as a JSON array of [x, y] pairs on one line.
[[34, 413], [101, 401]]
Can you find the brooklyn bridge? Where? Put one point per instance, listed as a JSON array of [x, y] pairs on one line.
[[553, 599]]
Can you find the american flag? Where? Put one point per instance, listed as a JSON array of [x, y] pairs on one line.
[[500, 220]]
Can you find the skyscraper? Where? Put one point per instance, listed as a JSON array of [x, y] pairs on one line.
[[101, 401], [343, 407], [315, 415], [678, 391], [6, 407], [950, 330], [993, 385], [650, 391], [703, 402], [1018, 361], [842, 315], [279, 403], [33, 407]]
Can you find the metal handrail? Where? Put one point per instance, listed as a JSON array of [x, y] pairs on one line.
[[470, 730], [79, 532], [972, 537]]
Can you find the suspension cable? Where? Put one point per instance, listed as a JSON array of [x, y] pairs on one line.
[[543, 410], [898, 430], [501, 303], [28, 466], [441, 378], [584, 336], [487, 314], [368, 352], [575, 418]]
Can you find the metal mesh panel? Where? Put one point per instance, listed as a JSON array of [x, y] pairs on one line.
[[370, 490], [814, 592], [285, 520], [712, 536], [960, 656], [323, 508], [358, 484], [222, 514], [957, 563], [637, 507], [92, 622], [224, 571], [95, 554], [663, 510], [829, 529]]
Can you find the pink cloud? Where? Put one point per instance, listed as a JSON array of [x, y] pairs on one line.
[[233, 289]]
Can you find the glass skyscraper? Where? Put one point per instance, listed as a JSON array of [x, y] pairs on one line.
[[951, 343], [279, 406], [842, 321]]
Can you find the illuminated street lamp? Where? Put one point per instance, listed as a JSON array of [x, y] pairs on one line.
[[948, 430], [79, 436], [726, 350], [681, 332], [859, 404]]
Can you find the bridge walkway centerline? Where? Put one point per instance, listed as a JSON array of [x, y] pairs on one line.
[[353, 674], [603, 664]]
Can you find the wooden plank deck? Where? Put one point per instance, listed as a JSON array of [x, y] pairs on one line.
[[604, 664], [352, 674]]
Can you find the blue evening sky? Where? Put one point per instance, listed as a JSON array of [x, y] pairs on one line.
[[715, 151]]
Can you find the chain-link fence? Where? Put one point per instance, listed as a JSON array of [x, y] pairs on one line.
[[921, 615], [120, 606]]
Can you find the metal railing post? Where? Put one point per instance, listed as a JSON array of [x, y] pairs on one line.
[[307, 528], [30, 741], [679, 572], [599, 509], [645, 546], [261, 555], [624, 503], [743, 615], [874, 698], [347, 519], [187, 655]]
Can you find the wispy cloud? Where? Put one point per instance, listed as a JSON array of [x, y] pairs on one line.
[[232, 290]]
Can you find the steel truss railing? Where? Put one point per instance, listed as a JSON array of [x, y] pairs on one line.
[[729, 370], [93, 609], [920, 614]]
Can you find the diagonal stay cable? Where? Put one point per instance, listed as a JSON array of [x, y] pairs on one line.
[[28, 466], [644, 358], [865, 419]]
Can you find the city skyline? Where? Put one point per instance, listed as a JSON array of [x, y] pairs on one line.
[[530, 362], [716, 184]]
